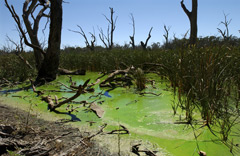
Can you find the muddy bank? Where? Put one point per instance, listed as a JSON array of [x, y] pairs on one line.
[[25, 134]]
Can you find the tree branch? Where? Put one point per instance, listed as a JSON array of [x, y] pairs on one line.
[[185, 9], [81, 32], [38, 18], [132, 42], [52, 106], [18, 22], [102, 37], [144, 45]]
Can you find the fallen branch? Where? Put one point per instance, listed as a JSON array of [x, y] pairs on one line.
[[124, 130], [99, 132], [143, 93], [34, 89], [111, 77], [98, 95], [62, 71], [52, 106], [88, 87], [135, 150], [72, 109]]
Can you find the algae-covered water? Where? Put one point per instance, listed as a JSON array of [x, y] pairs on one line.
[[149, 118]]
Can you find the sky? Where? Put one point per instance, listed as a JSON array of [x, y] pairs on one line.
[[89, 14]]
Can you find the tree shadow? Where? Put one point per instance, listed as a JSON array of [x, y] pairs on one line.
[[74, 118]]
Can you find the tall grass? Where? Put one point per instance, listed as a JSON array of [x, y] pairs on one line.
[[14, 69]]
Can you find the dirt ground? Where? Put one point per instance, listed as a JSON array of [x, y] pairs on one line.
[[24, 134]]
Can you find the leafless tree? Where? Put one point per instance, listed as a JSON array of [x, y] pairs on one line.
[[47, 62], [88, 45], [108, 39], [166, 34], [193, 20], [144, 45], [132, 38], [226, 22]]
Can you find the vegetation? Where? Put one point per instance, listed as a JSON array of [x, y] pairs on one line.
[[204, 78], [204, 73]]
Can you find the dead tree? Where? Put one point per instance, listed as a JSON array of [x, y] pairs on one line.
[[144, 45], [132, 38], [166, 34], [225, 33], [88, 45], [108, 40], [47, 62], [192, 16]]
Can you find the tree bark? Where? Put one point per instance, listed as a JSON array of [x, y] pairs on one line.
[[193, 20], [49, 67]]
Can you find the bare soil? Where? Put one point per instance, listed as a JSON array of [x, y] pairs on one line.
[[24, 134]]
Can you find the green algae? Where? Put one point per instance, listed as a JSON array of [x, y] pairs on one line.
[[149, 118]]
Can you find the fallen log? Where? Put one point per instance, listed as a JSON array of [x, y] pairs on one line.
[[123, 130], [151, 93], [88, 88], [111, 77], [62, 71]]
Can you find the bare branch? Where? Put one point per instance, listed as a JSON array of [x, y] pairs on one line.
[[93, 40], [38, 18], [102, 37], [185, 35], [144, 45], [53, 106], [19, 49], [132, 42], [185, 9], [166, 35], [109, 37], [223, 33], [81, 32], [18, 22], [226, 23]]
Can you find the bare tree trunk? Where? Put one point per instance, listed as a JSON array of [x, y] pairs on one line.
[[193, 20], [32, 29], [47, 62], [49, 67]]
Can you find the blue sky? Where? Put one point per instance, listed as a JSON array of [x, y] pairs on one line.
[[147, 13]]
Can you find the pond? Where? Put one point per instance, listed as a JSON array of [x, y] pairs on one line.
[[148, 117]]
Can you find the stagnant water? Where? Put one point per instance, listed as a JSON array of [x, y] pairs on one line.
[[149, 118]]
